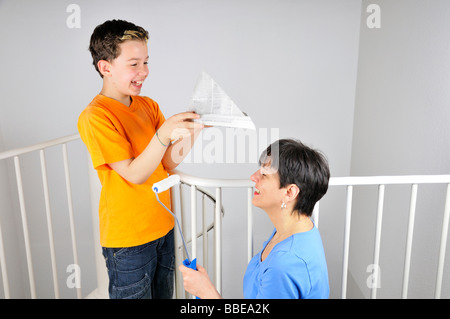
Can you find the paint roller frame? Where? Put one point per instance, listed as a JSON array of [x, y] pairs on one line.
[[162, 186]]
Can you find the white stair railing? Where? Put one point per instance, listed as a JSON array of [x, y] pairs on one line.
[[349, 183], [15, 155], [381, 182], [200, 185], [196, 184]]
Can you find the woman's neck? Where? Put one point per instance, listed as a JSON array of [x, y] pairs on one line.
[[287, 224]]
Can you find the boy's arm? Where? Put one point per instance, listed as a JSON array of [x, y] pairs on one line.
[[179, 150], [138, 170]]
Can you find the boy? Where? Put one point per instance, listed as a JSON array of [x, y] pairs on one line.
[[129, 141]]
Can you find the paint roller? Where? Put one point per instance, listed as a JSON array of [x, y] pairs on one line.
[[162, 186]]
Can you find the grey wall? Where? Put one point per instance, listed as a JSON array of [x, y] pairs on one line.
[[401, 127]]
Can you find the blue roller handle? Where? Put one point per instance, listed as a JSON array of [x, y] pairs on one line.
[[191, 264]]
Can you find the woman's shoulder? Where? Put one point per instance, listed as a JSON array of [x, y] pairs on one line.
[[300, 247], [285, 254]]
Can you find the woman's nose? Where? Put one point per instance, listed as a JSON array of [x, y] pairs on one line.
[[255, 176]]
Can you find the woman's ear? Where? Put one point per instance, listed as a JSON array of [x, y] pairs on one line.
[[104, 67], [292, 191]]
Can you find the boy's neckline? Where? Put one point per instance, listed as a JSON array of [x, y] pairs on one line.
[[121, 98], [130, 107]]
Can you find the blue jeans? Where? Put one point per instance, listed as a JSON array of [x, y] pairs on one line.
[[142, 272]]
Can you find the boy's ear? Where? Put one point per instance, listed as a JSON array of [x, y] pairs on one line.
[[104, 67]]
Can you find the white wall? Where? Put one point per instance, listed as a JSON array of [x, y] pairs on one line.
[[291, 65], [401, 127]]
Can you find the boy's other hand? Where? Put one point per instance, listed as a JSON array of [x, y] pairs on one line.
[[179, 126]]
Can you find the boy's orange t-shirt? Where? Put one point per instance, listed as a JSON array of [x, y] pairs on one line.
[[129, 214]]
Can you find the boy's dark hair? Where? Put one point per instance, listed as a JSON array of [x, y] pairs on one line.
[[105, 39], [298, 164]]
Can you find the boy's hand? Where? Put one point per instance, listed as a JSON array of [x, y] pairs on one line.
[[198, 283], [179, 126]]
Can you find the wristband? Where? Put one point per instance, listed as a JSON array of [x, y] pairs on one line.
[[160, 140]]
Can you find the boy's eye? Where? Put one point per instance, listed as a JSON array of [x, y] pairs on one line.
[[135, 64]]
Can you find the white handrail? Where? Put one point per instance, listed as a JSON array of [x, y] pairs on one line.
[[37, 147], [213, 182], [334, 181], [391, 180]]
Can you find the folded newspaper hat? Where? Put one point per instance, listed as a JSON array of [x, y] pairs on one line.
[[215, 107]]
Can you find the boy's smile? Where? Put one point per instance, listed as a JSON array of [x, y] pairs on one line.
[[124, 76], [137, 84]]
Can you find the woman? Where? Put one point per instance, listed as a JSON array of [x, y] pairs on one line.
[[292, 264]]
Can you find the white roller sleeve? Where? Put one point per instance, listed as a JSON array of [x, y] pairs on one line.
[[165, 184]]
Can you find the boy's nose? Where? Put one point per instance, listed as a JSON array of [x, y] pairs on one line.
[[144, 71]]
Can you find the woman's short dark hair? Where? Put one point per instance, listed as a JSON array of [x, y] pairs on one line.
[[301, 165]]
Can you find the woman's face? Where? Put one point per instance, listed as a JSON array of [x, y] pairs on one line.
[[267, 193]]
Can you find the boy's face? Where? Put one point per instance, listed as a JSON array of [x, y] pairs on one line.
[[129, 70]]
